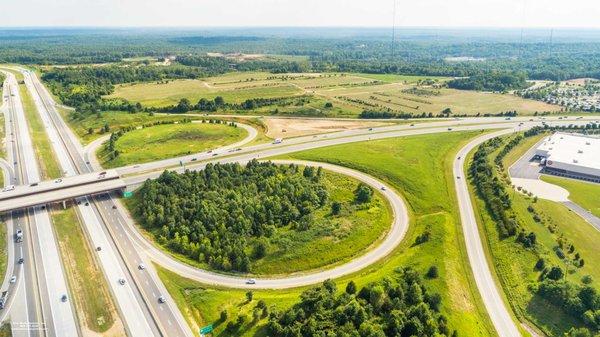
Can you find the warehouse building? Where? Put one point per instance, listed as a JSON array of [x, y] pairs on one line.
[[571, 155]]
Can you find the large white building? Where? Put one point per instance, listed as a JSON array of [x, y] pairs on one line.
[[572, 155]]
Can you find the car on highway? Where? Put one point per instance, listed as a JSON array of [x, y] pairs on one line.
[[21, 260], [141, 266], [57, 181], [8, 188], [33, 185], [383, 188], [251, 281], [449, 129], [19, 235], [13, 279], [64, 298], [161, 299], [122, 281]]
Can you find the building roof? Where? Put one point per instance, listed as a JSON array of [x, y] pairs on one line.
[[572, 148]]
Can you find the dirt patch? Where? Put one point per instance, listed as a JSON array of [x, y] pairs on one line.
[[295, 127]]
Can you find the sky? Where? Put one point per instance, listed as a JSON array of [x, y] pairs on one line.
[[314, 13]]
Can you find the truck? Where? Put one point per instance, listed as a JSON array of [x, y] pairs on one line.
[[3, 299], [19, 235]]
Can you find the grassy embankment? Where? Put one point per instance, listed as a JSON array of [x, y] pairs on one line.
[[514, 264], [420, 169], [167, 141], [586, 194], [333, 240], [85, 278], [349, 93]]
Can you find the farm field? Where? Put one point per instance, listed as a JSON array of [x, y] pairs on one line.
[[587, 195], [349, 94], [426, 185], [169, 140], [514, 264]]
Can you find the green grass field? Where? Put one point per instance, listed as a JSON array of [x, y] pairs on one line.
[[587, 195], [427, 185], [514, 265], [115, 120], [170, 140], [49, 168], [349, 93], [86, 281]]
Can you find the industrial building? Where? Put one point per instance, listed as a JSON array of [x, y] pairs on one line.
[[571, 155]]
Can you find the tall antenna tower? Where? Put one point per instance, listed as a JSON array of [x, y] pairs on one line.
[[393, 28]]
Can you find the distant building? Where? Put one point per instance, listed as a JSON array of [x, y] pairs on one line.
[[571, 155]]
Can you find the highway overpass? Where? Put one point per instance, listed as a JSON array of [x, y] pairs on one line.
[[44, 192]]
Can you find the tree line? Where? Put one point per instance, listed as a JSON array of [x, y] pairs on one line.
[[399, 305]]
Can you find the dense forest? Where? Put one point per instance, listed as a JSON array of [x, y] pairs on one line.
[[446, 53], [491, 81], [210, 215], [397, 306]]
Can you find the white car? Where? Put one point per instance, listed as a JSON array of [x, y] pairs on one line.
[[251, 281], [122, 281], [8, 188], [141, 266], [13, 279]]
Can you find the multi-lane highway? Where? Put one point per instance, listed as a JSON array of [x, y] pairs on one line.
[[46, 305], [137, 299], [124, 249]]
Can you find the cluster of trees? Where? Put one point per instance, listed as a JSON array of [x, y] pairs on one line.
[[491, 81], [211, 215], [397, 306], [579, 301]]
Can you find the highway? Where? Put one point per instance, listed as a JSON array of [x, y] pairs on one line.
[[137, 299], [43, 309], [128, 245]]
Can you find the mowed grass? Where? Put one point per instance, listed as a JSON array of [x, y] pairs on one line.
[[159, 94], [420, 169], [49, 168], [86, 280], [514, 265], [169, 140], [586, 194]]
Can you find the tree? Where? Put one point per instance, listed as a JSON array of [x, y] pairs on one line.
[[432, 272], [223, 316], [249, 296], [328, 105], [260, 250], [555, 273], [363, 193], [336, 208], [90, 131], [184, 105], [351, 288]]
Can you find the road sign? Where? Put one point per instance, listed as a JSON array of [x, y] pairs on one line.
[[127, 194], [206, 329]]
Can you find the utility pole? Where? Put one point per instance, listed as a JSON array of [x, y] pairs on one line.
[[393, 28]]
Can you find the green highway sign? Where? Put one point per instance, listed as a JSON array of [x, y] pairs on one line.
[[206, 329], [127, 194]]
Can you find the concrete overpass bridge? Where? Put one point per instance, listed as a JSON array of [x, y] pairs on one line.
[[44, 192]]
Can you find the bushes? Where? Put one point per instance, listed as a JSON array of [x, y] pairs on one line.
[[397, 306], [209, 215], [582, 302]]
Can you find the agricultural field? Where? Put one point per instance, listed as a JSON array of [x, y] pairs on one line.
[[553, 225], [586, 194], [169, 140], [427, 186], [348, 94]]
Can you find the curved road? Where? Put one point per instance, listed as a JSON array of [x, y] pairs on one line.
[[393, 238], [492, 299]]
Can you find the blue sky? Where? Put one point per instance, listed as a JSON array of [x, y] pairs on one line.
[[198, 13]]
